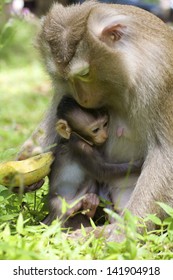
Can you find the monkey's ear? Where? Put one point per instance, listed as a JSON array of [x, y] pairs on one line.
[[112, 32], [63, 129], [107, 27]]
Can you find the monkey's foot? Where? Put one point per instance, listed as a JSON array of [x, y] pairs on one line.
[[107, 231], [73, 209], [90, 202]]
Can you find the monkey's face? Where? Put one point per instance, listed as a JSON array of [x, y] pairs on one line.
[[91, 129], [92, 76], [98, 131], [91, 81], [82, 47], [86, 92]]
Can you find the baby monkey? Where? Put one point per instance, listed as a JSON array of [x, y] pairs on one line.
[[80, 160]]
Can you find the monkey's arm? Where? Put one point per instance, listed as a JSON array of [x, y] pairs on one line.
[[92, 161], [43, 138], [44, 135]]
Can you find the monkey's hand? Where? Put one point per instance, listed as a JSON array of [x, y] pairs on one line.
[[31, 188], [29, 150], [90, 202], [78, 146]]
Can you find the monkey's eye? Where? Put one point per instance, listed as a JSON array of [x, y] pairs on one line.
[[105, 124], [95, 130], [84, 75], [84, 72]]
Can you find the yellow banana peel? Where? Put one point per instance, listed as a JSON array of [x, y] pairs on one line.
[[25, 172]]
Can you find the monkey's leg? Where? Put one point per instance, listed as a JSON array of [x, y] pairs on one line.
[[154, 185], [55, 206], [90, 202]]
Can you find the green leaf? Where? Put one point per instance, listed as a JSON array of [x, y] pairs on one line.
[[8, 217], [83, 231], [167, 221], [154, 219], [19, 225], [114, 215], [171, 227], [64, 206], [6, 232], [166, 208], [93, 224]]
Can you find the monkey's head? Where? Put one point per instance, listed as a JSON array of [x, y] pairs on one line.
[[90, 124], [106, 53]]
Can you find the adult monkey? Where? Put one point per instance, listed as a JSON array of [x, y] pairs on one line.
[[120, 57]]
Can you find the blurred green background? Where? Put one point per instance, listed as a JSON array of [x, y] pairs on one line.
[[25, 89]]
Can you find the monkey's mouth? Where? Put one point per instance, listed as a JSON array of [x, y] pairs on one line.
[[99, 143]]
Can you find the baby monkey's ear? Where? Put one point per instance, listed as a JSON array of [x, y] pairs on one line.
[[63, 129]]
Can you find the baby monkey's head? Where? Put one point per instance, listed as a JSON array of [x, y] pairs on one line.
[[91, 124]]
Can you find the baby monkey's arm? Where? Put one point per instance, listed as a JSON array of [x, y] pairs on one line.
[[94, 163]]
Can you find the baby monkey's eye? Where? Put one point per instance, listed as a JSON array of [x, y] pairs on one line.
[[95, 130], [105, 124]]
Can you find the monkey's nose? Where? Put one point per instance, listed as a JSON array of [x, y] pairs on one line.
[[104, 137]]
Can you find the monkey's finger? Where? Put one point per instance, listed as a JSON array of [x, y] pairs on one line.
[[90, 200], [96, 200], [90, 204], [91, 212], [30, 188], [75, 208]]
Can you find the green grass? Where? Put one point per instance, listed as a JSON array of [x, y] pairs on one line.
[[25, 92]]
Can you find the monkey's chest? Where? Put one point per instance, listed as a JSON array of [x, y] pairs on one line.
[[71, 182], [124, 144]]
